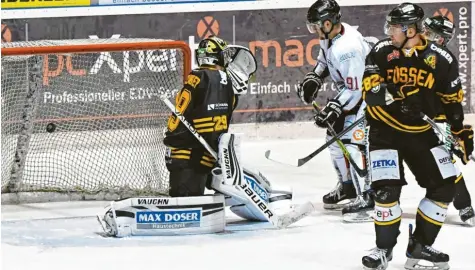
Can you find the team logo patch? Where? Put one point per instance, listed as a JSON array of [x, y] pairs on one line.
[[431, 60], [394, 55], [193, 80], [358, 135]]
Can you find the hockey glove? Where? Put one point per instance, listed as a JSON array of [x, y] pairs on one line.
[[308, 89], [411, 105], [465, 138], [328, 114]]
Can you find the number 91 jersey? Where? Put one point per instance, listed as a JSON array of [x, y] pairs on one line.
[[207, 101], [344, 57]]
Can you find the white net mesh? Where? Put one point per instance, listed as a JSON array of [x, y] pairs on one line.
[[87, 123]]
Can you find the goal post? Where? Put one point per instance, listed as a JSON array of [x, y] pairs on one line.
[[82, 119]]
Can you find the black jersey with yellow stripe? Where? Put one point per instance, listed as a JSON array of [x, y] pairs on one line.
[[432, 68], [207, 101]]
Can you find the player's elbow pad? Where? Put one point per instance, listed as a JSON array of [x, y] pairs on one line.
[[378, 95]]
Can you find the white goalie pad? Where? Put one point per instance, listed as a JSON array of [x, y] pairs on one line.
[[231, 173], [150, 216]]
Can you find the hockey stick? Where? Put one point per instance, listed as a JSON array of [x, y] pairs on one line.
[[449, 138], [301, 161], [278, 221], [346, 153]]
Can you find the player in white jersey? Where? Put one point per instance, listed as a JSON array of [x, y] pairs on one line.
[[342, 56]]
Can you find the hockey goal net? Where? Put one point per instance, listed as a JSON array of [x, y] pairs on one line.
[[82, 119]]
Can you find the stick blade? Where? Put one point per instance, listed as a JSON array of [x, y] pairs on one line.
[[295, 215], [281, 159]]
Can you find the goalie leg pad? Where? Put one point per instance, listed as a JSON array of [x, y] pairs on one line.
[[229, 153], [239, 202], [277, 200], [150, 216]]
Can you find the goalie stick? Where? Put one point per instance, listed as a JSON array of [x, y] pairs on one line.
[[346, 153], [449, 138], [278, 221], [301, 161]]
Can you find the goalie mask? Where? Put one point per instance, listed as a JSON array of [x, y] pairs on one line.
[[210, 51], [241, 65]]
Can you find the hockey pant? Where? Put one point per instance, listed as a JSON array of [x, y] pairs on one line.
[[355, 142], [230, 173], [462, 196]]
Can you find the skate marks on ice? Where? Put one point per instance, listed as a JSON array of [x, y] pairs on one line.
[[85, 231]]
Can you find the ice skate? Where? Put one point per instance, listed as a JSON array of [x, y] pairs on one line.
[[340, 196], [360, 210], [425, 257], [467, 215], [378, 259]]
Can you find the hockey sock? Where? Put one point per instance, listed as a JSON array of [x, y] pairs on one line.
[[462, 196], [387, 217], [429, 220]]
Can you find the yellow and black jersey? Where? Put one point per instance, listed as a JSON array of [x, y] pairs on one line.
[[207, 101], [431, 67]]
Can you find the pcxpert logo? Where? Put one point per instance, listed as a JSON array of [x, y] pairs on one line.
[[462, 36], [126, 63]]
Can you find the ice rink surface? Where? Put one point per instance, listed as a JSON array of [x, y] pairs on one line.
[[64, 235]]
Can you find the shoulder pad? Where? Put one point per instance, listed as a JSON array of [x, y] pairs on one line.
[[382, 45], [442, 51], [195, 77]]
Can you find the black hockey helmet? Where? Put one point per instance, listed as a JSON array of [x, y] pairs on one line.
[[210, 51], [406, 14], [321, 11], [439, 27]]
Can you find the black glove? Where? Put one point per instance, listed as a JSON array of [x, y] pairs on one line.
[[308, 89], [465, 139], [328, 114], [411, 104]]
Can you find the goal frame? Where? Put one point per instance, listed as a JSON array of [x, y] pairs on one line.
[[18, 197], [105, 47]]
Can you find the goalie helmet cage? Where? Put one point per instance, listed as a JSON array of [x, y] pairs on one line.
[[82, 119]]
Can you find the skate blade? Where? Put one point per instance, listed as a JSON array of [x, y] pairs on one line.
[[360, 217], [381, 267], [336, 207], [417, 264], [469, 222]]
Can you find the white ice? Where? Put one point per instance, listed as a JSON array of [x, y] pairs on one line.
[[63, 235]]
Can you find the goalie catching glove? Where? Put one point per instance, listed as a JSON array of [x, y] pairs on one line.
[[308, 89], [465, 139]]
